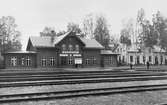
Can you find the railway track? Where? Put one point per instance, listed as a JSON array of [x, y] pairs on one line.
[[67, 77], [61, 78], [67, 74], [79, 81], [78, 93]]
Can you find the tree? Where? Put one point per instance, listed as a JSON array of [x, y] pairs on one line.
[[160, 26], [124, 38], [73, 27], [60, 33], [150, 35], [140, 27], [101, 32], [147, 34], [47, 31], [50, 32], [9, 33], [127, 32], [88, 26]]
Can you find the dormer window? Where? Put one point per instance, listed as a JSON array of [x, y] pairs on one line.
[[70, 47], [63, 47], [77, 47]]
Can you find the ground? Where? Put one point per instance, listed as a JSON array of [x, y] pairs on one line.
[[142, 98]]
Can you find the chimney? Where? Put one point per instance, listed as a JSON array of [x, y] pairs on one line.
[[53, 35]]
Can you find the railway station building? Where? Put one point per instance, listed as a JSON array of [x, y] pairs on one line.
[[131, 54], [68, 50]]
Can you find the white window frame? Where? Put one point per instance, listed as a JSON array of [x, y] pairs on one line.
[[28, 61], [70, 61], [77, 47], [110, 60], [14, 61], [52, 61], [63, 47], [43, 62], [87, 61], [93, 60], [22, 61], [70, 47]]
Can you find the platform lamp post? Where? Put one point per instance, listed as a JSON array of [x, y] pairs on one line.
[[3, 49]]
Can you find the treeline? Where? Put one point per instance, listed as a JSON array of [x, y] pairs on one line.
[[9, 34], [93, 26], [145, 32]]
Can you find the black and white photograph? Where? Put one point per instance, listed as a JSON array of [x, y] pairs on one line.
[[83, 52]]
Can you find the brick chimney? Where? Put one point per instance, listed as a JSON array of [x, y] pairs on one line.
[[53, 35]]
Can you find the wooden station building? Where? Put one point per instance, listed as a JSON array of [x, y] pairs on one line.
[[68, 50]]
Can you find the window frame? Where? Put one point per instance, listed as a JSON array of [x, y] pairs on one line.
[[22, 61], [64, 47], [44, 62], [77, 47], [13, 61], [87, 61], [28, 61], [70, 61], [131, 58], [52, 61], [70, 47], [150, 58]]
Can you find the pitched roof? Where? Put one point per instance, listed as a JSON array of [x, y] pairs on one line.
[[108, 52], [41, 41], [20, 52], [46, 41], [61, 37], [91, 43]]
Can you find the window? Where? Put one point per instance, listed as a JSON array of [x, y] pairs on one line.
[[131, 58], [93, 60], [87, 61], [77, 47], [118, 50], [70, 39], [43, 62], [70, 47], [144, 59], [13, 61], [161, 59], [110, 60], [28, 61], [22, 61], [70, 61], [63, 47], [123, 59], [52, 61], [0, 41], [150, 59], [138, 59]]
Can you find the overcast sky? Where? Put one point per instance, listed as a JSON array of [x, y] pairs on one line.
[[33, 15]]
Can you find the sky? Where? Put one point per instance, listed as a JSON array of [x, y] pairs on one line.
[[33, 15]]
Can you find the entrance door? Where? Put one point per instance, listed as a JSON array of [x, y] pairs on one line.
[[156, 60], [138, 60], [63, 61]]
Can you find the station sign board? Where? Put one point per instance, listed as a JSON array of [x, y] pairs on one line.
[[63, 55], [70, 52], [78, 60], [77, 55], [74, 55]]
